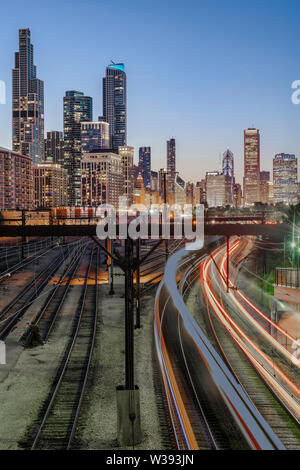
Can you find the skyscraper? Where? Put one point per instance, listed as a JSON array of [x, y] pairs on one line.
[[264, 187], [228, 172], [285, 178], [77, 109], [145, 164], [251, 166], [171, 163], [126, 153], [27, 102], [114, 104], [94, 136], [54, 151], [215, 189]]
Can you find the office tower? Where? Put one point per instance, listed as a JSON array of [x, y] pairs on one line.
[[285, 179], [94, 136], [77, 109], [27, 102], [50, 185], [114, 104], [200, 192], [189, 191], [154, 180], [180, 191], [228, 172], [251, 166], [54, 151], [171, 163], [264, 187], [215, 189], [237, 195], [145, 164], [16, 181], [139, 193], [101, 179], [126, 153]]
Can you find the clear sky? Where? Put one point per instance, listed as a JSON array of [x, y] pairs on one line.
[[198, 70]]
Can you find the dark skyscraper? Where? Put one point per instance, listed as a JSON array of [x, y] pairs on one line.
[[54, 147], [145, 164], [171, 163], [114, 104], [27, 102], [77, 109]]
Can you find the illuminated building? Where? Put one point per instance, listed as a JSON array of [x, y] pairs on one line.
[[215, 189], [126, 153], [228, 172], [16, 181], [251, 166], [94, 136], [171, 164], [145, 164], [102, 179], [264, 187], [237, 195], [114, 104], [54, 151], [285, 178], [27, 102], [50, 185], [77, 109]]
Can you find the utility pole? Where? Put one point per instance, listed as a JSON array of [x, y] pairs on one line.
[[110, 265], [227, 262], [165, 208], [23, 237], [137, 280]]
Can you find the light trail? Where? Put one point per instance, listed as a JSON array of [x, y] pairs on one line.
[[250, 349]]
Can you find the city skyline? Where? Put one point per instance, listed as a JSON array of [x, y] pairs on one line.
[[224, 105]]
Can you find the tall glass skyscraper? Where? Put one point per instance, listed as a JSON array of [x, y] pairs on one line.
[[145, 164], [77, 109], [94, 136], [171, 164], [27, 102], [285, 178], [114, 104]]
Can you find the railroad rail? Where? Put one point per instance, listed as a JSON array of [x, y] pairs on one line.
[[61, 410]]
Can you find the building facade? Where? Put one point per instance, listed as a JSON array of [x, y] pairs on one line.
[[228, 172], [285, 179], [251, 166], [27, 102], [16, 181], [102, 179], [145, 164], [171, 163], [77, 109], [54, 151], [126, 153], [215, 189], [94, 136], [264, 187], [50, 185], [115, 104], [237, 195]]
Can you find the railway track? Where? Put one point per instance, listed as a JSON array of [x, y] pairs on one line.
[[15, 309], [46, 316], [267, 402], [60, 413]]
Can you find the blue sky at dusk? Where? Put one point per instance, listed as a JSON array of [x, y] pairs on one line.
[[200, 71]]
